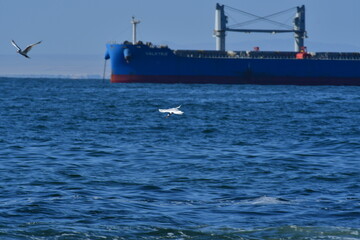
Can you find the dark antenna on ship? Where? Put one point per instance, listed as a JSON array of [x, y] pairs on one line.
[[134, 23], [221, 26]]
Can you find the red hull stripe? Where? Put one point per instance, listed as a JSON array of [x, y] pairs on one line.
[[234, 80]]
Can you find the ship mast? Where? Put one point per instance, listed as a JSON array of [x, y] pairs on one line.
[[134, 23], [220, 27], [299, 28]]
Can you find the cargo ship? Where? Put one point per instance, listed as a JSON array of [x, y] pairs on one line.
[[138, 62]]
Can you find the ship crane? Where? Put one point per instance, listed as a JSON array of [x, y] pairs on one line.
[[221, 28]]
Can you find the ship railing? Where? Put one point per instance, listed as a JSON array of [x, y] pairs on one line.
[[265, 55], [337, 55], [234, 54]]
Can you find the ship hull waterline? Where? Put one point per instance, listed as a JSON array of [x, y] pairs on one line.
[[264, 80]]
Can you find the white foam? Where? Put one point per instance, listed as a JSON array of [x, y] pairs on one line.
[[268, 200]]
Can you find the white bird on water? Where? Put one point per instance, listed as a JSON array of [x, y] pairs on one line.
[[26, 50], [171, 111]]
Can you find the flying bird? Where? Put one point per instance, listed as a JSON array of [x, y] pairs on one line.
[[26, 50], [171, 111]]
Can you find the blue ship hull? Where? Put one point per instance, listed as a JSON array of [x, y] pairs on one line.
[[145, 63]]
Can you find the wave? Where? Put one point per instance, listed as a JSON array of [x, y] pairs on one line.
[[264, 200], [290, 232]]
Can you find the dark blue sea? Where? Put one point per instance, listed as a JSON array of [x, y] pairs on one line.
[[86, 159]]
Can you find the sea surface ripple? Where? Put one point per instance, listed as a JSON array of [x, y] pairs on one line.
[[86, 159]]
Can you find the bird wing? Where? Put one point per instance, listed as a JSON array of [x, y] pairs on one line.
[[177, 111], [28, 48], [171, 110], [15, 45], [164, 110]]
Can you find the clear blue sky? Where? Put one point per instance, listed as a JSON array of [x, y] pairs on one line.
[[85, 26]]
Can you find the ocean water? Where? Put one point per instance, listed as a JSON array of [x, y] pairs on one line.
[[86, 159]]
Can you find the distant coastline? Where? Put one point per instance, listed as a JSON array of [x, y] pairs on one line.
[[75, 77], [89, 66]]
